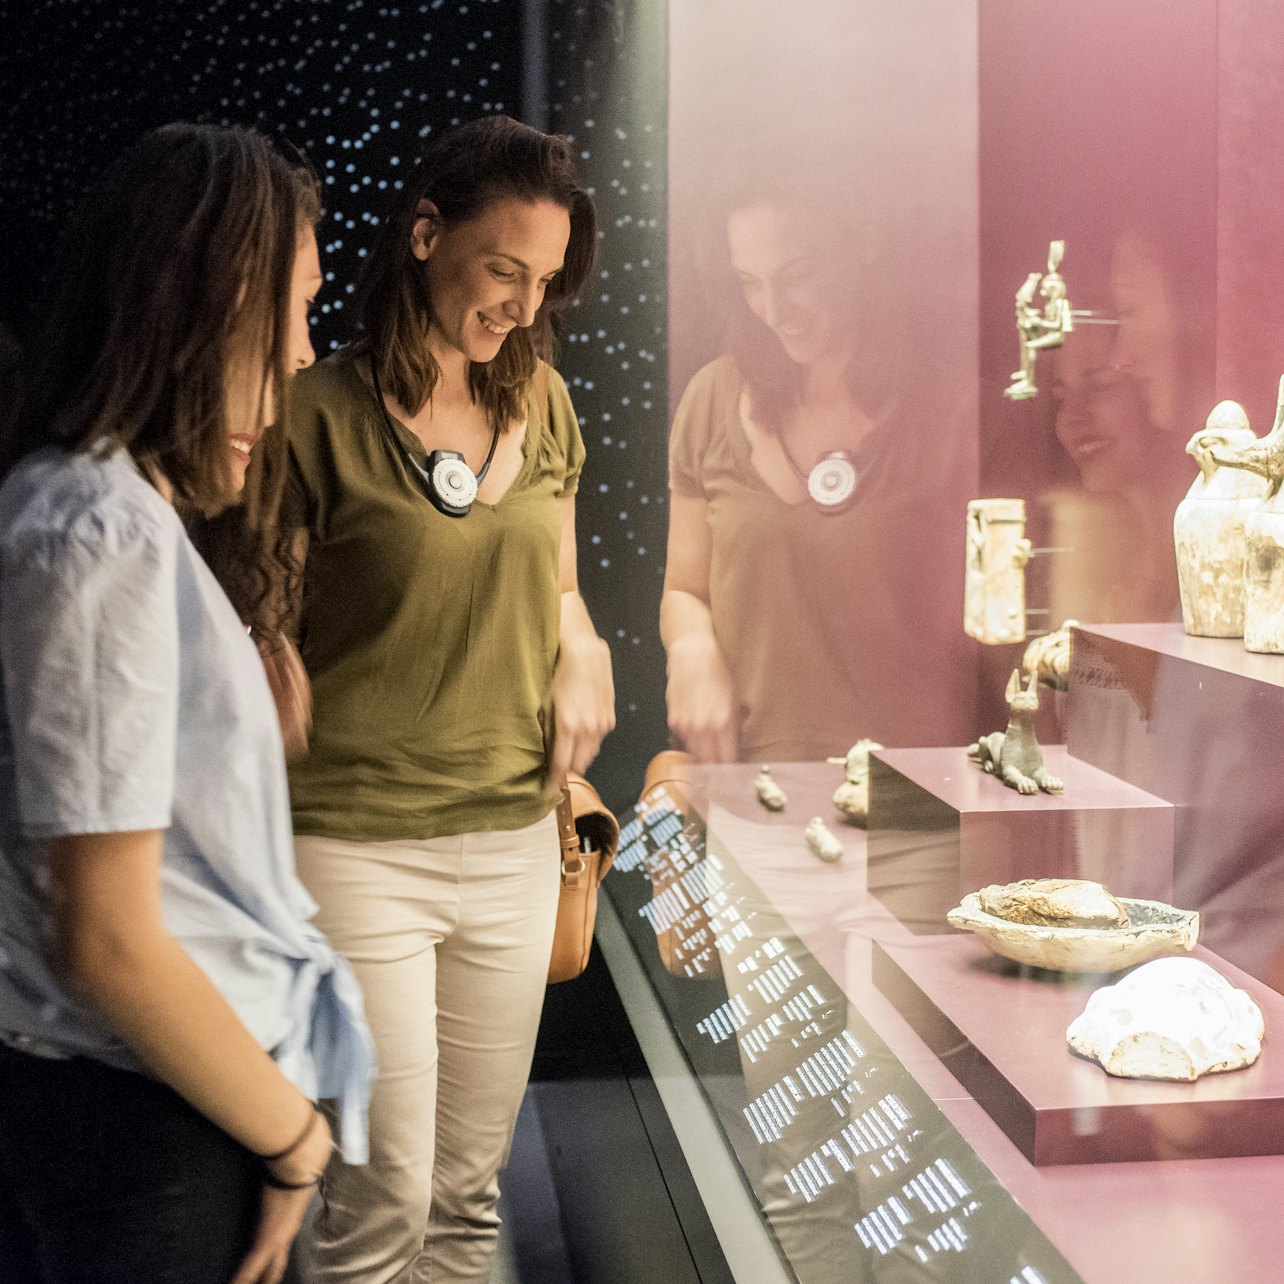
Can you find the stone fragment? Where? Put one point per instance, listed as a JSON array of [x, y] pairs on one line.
[[1053, 902], [1173, 1019]]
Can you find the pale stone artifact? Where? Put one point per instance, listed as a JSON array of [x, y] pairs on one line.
[[769, 792], [1014, 755], [821, 841], [1208, 527], [994, 577], [1151, 929], [852, 796], [1040, 327], [1171, 1019], [1263, 536], [1047, 657], [1053, 902]]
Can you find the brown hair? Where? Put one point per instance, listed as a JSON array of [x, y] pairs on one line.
[[177, 265], [808, 176], [462, 172]]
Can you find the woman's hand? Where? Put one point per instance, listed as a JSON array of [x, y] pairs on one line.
[[291, 691], [701, 699], [281, 1211], [583, 699]]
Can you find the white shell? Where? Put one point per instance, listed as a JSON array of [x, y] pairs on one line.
[[1170, 1019], [824, 846], [770, 794]]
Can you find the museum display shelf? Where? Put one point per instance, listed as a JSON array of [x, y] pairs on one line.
[[1198, 722], [940, 827], [803, 951], [1059, 1108]]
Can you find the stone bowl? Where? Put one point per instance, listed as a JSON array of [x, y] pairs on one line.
[[1154, 929]]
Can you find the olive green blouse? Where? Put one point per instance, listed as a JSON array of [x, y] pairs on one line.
[[429, 640]]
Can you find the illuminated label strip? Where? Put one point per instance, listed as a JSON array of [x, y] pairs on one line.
[[865, 1160], [724, 1021], [940, 1190]]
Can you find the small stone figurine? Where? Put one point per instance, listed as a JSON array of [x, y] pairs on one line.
[[1014, 755], [1047, 657], [1040, 328], [769, 793], [821, 842], [852, 796]]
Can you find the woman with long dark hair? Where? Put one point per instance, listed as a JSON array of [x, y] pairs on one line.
[[455, 676], [167, 1013], [814, 547]]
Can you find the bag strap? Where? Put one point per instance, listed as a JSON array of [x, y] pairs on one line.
[[573, 865]]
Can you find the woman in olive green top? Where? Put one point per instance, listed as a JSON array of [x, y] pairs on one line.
[[455, 676]]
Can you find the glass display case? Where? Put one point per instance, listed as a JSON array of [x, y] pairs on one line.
[[923, 256]]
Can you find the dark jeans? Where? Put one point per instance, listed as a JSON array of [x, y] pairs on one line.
[[108, 1177]]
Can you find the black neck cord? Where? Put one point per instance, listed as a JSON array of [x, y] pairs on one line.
[[387, 419]]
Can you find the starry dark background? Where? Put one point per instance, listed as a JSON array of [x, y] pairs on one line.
[[356, 85]]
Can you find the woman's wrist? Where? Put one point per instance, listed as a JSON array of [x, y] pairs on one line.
[[301, 1164]]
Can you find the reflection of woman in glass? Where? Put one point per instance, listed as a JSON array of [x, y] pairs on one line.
[[807, 576], [1121, 414]]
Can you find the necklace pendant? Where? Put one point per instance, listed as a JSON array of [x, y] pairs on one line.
[[832, 480]]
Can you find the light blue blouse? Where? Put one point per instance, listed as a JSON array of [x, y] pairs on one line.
[[131, 698]]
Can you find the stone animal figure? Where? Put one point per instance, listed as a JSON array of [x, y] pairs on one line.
[[1014, 755]]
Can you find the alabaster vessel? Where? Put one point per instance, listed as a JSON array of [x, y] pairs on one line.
[[1074, 940], [1209, 528], [1263, 534], [1264, 577], [1173, 1019], [994, 576]]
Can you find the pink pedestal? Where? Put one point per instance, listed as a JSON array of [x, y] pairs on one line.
[[1003, 1035], [1199, 722], [940, 827]]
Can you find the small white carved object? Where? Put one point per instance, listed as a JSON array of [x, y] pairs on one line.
[[769, 793], [1173, 1019], [821, 841], [1209, 527], [1047, 657], [852, 796], [994, 579]]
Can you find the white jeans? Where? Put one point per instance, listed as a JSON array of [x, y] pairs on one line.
[[450, 939]]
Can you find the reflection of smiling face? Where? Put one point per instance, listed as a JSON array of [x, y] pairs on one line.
[[1146, 343], [775, 259], [1101, 413], [489, 274]]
